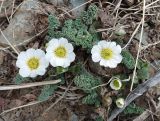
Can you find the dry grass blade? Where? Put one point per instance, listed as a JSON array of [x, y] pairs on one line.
[[138, 53], [1, 5], [28, 85], [9, 43], [23, 106], [149, 45], [151, 3], [135, 31]]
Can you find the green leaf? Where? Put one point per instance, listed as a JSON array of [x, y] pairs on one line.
[[143, 71], [53, 25], [53, 22], [128, 59], [61, 70], [133, 109], [89, 15], [91, 99], [86, 81], [99, 118], [19, 79], [76, 31], [46, 92]]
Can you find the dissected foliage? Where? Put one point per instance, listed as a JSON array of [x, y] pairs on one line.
[[89, 15], [77, 31], [91, 98], [53, 22], [128, 59], [86, 82], [133, 109]]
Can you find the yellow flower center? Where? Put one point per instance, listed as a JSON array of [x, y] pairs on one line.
[[116, 83], [60, 52], [33, 63], [106, 53]]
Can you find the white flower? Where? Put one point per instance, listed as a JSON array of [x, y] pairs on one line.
[[107, 53], [116, 84], [60, 52], [120, 102], [32, 63]]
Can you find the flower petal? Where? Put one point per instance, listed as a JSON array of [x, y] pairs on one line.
[[33, 74], [24, 72], [44, 62], [95, 49], [59, 62], [117, 58], [112, 64], [63, 41], [71, 57], [112, 45], [30, 52], [96, 57], [103, 43], [39, 53], [53, 62], [104, 63], [53, 42], [117, 49], [66, 63], [49, 56], [41, 71], [69, 47]]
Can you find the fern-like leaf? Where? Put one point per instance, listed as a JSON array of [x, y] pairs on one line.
[[86, 81], [91, 99], [89, 15]]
